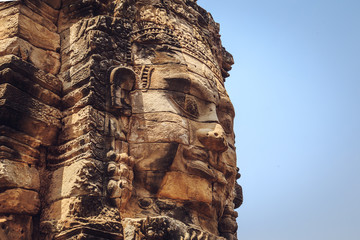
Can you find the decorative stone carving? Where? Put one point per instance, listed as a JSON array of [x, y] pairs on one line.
[[162, 228], [122, 81], [129, 136], [121, 175]]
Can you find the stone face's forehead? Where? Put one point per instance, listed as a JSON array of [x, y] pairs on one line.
[[155, 24]]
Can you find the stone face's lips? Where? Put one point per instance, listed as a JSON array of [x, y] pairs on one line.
[[198, 162], [195, 153], [200, 168]]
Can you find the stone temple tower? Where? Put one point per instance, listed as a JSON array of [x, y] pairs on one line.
[[115, 122]]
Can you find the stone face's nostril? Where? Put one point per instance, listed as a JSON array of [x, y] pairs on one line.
[[213, 139]]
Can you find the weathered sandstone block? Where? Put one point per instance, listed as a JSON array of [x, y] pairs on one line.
[[82, 178], [16, 227], [48, 61], [18, 175], [46, 80], [27, 85], [19, 201], [114, 116]]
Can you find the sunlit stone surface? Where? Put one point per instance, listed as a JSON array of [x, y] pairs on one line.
[[114, 122]]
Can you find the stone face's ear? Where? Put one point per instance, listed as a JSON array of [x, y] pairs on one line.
[[122, 80], [123, 77]]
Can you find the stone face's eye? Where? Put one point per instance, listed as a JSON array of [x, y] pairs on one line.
[[191, 107], [187, 105]]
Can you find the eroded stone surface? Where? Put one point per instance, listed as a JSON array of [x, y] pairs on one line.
[[19, 201], [45, 60], [82, 177], [16, 227], [18, 175], [115, 122]]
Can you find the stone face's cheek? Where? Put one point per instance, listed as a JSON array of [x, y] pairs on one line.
[[149, 180], [226, 121], [158, 127], [229, 157], [153, 156], [195, 153], [226, 114], [152, 161], [155, 133]]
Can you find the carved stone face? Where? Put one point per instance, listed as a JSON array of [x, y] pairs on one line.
[[113, 113], [181, 136]]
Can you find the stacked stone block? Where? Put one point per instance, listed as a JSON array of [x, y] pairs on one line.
[[30, 111], [114, 122]]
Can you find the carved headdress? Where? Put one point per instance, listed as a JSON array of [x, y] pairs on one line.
[[182, 25]]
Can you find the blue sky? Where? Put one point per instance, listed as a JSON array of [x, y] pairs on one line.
[[295, 86]]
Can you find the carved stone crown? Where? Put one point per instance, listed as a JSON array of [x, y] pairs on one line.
[[182, 24], [149, 32]]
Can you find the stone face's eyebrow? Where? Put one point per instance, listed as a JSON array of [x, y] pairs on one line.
[[201, 88], [178, 82], [195, 86], [179, 79]]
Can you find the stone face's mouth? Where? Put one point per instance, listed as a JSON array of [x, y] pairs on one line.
[[195, 153], [197, 162], [201, 169]]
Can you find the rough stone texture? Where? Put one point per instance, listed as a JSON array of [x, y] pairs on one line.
[[19, 201], [15, 226], [115, 122]]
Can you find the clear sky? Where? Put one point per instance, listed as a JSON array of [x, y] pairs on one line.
[[295, 86]]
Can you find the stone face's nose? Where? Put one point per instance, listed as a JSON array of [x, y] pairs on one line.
[[213, 139]]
